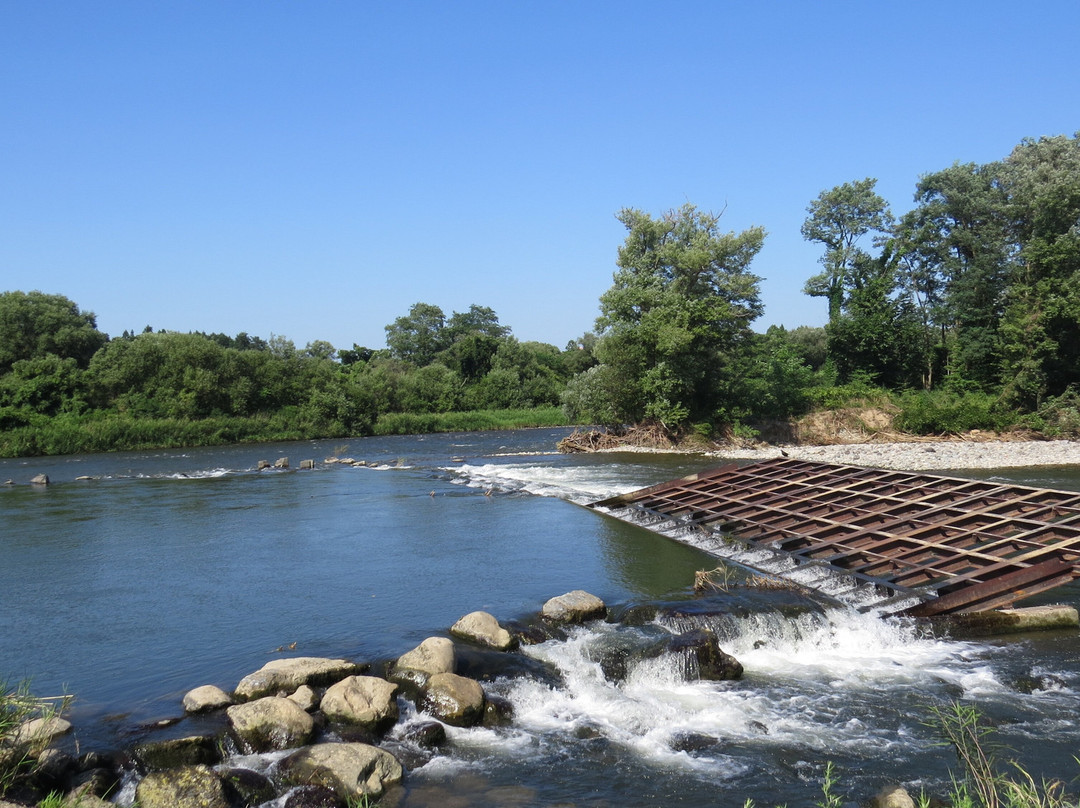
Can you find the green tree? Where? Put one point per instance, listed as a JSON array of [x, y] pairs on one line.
[[838, 219], [956, 254], [1041, 324], [419, 336], [673, 322], [778, 379], [477, 320], [33, 324], [878, 334]]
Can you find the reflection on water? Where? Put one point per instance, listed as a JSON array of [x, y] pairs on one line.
[[175, 569]]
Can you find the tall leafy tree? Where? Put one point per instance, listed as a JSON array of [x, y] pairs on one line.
[[33, 324], [956, 253], [838, 219], [1041, 325], [679, 311], [878, 333], [418, 336]]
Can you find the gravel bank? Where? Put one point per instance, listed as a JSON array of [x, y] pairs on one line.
[[928, 456]]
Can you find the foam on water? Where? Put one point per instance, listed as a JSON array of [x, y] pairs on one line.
[[578, 484], [808, 683]]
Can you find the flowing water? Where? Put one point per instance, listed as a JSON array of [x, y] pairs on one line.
[[172, 569]]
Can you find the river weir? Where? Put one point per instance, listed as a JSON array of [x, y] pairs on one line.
[[168, 570]]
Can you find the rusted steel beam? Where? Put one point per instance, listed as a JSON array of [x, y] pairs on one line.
[[998, 591]]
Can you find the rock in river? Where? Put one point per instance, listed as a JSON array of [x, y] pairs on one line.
[[270, 723], [365, 700], [283, 676], [574, 607], [484, 629], [352, 770]]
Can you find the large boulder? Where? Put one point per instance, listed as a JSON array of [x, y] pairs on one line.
[[453, 699], [574, 607], [365, 700], [352, 770], [186, 787], [283, 676], [434, 655], [482, 628], [207, 697], [270, 723]]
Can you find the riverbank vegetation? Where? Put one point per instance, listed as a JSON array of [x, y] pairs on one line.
[[961, 314]]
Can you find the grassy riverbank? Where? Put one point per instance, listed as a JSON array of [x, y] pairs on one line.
[[111, 433]]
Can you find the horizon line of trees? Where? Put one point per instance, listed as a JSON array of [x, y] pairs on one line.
[[975, 292], [55, 363]]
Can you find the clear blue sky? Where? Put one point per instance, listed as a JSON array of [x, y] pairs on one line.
[[311, 169]]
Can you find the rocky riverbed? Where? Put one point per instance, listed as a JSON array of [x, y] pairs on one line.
[[308, 732]]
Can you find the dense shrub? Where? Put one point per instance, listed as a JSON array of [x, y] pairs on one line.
[[940, 413]]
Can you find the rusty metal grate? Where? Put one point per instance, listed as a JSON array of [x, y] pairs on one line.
[[959, 545]]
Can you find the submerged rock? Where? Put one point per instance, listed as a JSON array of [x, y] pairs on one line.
[[352, 770], [711, 661], [207, 697], [187, 787], [191, 751], [574, 607], [247, 787], [426, 734], [482, 628], [270, 723], [283, 676]]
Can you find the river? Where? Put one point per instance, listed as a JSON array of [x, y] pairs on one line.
[[172, 569]]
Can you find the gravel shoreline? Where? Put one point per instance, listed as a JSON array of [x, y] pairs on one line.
[[926, 456]]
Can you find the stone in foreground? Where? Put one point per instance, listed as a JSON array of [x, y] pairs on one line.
[[270, 723], [187, 787], [352, 770], [574, 607], [455, 700], [368, 701]]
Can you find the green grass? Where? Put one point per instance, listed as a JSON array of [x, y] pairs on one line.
[[18, 754], [113, 432]]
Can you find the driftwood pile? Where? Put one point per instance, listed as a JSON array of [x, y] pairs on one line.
[[641, 436]]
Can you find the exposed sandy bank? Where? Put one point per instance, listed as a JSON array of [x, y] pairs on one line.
[[924, 456]]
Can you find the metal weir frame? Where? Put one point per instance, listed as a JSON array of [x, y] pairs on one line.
[[958, 545]]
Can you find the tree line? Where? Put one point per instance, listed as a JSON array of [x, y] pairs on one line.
[[965, 311], [66, 386]]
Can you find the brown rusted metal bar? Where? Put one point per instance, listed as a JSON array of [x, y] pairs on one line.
[[963, 543]]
